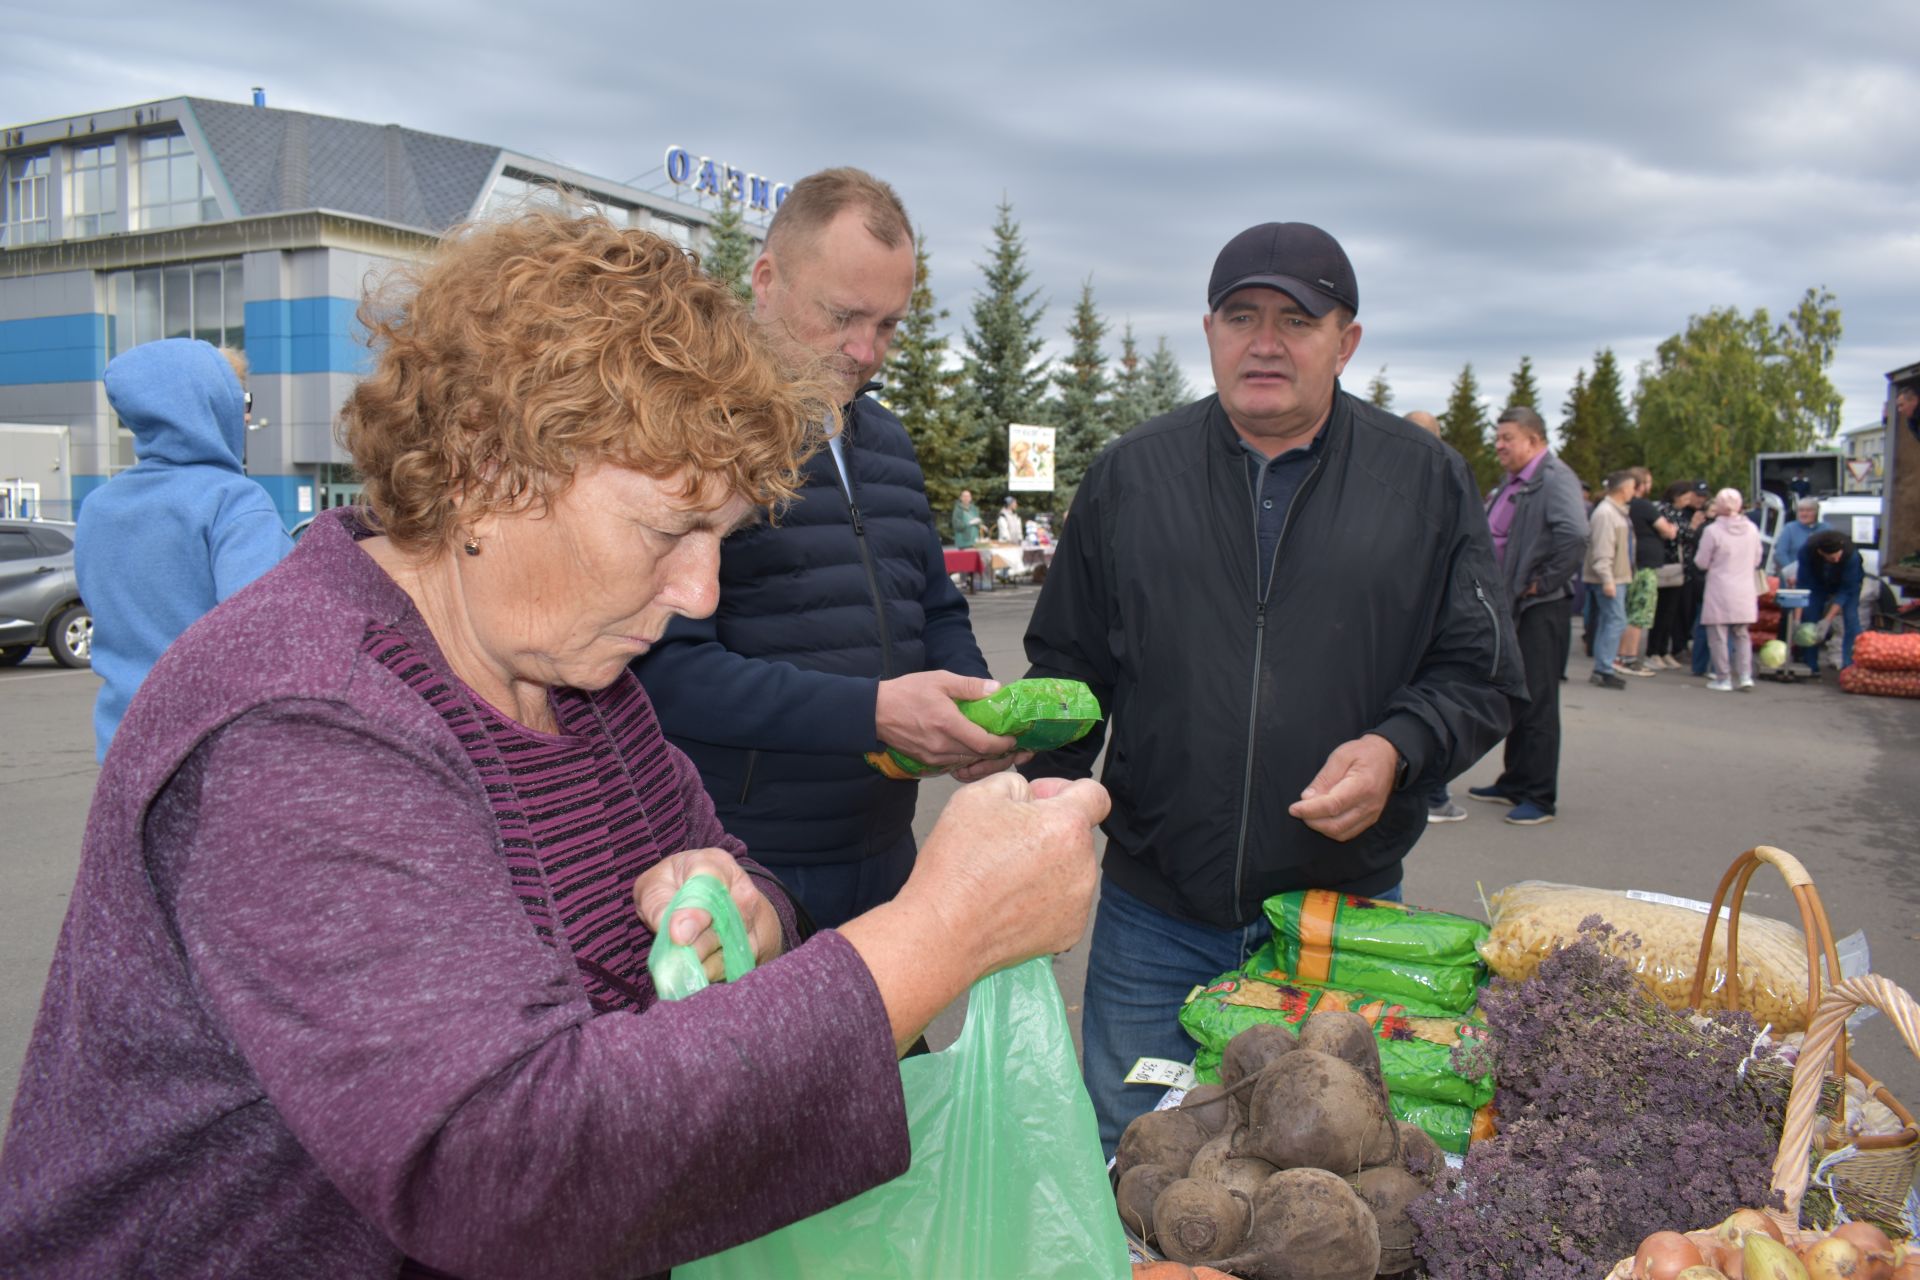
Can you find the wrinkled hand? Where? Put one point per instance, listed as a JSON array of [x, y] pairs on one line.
[[1348, 794], [915, 716], [1011, 866], [655, 888], [990, 766]]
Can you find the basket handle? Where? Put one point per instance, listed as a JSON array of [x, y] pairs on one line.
[[1814, 925], [1826, 1034]]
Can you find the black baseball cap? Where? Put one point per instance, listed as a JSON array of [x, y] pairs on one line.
[[1297, 258]]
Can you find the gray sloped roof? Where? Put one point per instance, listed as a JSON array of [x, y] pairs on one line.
[[281, 161]]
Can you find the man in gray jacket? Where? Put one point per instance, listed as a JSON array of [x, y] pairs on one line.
[[1539, 536]]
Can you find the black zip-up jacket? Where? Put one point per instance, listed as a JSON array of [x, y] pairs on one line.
[[1227, 682], [772, 697]]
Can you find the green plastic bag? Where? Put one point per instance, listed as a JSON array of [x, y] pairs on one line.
[[675, 969], [1038, 714], [1007, 1176]]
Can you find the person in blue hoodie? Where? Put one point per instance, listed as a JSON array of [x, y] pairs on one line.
[[184, 528]]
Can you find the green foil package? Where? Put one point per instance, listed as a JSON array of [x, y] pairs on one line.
[[1038, 715], [1410, 954], [1416, 1048]]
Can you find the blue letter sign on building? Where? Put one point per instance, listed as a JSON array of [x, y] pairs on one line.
[[762, 195]]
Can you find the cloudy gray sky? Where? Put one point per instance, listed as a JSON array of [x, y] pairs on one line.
[[1509, 179]]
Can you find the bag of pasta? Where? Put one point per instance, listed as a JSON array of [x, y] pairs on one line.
[[1659, 938]]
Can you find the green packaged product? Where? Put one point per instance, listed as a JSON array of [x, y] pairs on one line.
[[1374, 927], [1038, 715], [1416, 1049], [1407, 953], [1452, 1127]]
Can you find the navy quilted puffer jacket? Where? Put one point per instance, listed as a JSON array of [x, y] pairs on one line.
[[773, 696]]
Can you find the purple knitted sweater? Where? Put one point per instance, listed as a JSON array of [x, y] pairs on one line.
[[301, 1022]]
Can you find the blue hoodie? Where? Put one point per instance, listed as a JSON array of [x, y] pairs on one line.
[[172, 536]]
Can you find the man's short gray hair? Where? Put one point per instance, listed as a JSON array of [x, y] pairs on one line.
[[1524, 418], [1804, 503]]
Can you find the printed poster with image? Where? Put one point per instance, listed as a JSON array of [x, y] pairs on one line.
[[1029, 458]]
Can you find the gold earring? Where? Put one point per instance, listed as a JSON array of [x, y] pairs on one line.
[[473, 546]]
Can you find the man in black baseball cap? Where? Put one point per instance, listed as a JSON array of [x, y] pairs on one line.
[[1280, 328], [1287, 602], [1297, 258]]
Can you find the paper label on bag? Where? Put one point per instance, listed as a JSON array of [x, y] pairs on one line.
[[1161, 1071]]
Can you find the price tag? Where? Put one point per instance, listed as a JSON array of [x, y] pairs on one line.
[[1161, 1071]]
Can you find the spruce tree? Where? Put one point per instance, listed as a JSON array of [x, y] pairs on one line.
[[1129, 385], [1579, 447], [1524, 390], [730, 254], [1082, 407], [1005, 379], [922, 390], [1166, 386], [1619, 445], [1379, 394], [1463, 425]]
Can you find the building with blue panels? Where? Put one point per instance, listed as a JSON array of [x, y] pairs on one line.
[[247, 226]]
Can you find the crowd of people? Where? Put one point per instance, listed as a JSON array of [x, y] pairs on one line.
[[355, 978]]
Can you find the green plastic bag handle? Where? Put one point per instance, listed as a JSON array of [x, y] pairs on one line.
[[675, 969]]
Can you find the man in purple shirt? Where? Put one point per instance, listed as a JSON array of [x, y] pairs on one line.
[[1539, 535]]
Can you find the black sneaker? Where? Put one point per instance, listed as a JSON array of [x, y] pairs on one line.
[[1606, 680]]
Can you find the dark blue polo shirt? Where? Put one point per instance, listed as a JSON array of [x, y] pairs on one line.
[[1273, 484]]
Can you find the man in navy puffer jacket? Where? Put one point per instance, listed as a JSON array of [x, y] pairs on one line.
[[838, 630]]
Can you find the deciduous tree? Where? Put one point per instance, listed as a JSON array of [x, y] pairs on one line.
[[1731, 386]]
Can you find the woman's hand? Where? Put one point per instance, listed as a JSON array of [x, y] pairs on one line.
[[690, 925], [1008, 873]]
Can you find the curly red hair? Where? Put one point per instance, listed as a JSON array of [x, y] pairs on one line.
[[525, 349]]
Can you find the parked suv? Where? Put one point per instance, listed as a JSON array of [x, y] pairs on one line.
[[40, 596]]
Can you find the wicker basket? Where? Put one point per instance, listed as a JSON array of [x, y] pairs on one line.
[[1791, 1166], [1874, 1181]]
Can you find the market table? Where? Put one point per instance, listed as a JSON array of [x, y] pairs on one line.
[[970, 563]]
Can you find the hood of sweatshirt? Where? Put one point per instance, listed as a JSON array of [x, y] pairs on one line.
[[182, 401]]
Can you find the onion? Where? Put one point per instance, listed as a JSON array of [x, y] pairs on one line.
[[1664, 1255], [1702, 1272], [1876, 1251], [1734, 1230], [1833, 1259]]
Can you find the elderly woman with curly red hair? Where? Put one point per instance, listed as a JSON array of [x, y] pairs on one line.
[[354, 980]]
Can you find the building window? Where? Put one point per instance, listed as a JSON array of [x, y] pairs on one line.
[[170, 189], [201, 300], [515, 191], [93, 190], [23, 200]]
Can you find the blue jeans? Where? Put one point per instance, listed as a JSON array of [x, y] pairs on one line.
[[1140, 967], [835, 892], [1610, 619], [1698, 650], [1817, 605]]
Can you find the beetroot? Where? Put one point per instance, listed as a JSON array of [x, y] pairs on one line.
[[1312, 1110]]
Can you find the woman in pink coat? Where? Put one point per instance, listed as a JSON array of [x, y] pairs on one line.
[[1729, 552]]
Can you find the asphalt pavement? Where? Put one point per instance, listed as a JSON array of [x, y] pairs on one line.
[[1662, 785]]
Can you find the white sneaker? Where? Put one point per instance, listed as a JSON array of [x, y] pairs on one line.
[[1720, 686], [1745, 686]]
